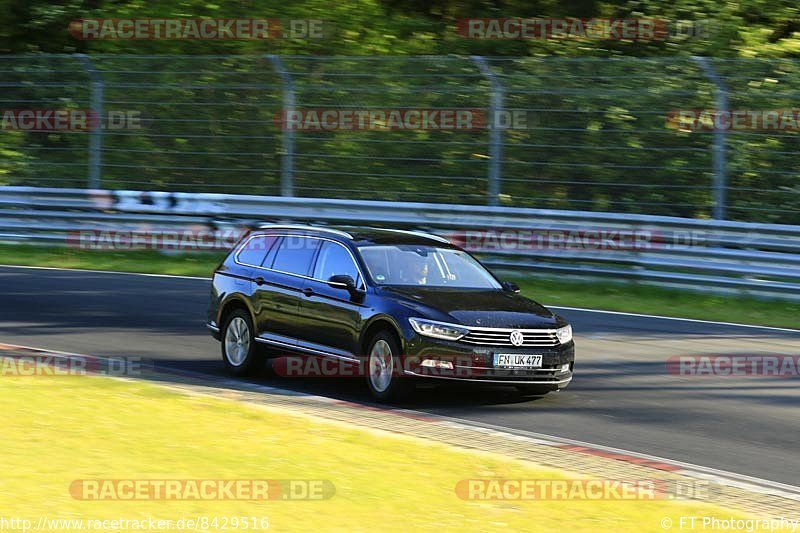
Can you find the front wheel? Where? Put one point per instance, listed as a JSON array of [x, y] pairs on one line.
[[239, 350], [385, 377]]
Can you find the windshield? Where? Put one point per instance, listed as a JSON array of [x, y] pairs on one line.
[[425, 265]]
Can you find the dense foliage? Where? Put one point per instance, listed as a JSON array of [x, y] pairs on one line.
[[597, 139]]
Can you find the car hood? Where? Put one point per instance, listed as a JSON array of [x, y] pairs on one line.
[[479, 308]]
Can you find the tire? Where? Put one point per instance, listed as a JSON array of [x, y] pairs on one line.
[[385, 382], [534, 390], [240, 353]]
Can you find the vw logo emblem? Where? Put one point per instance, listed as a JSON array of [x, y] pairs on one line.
[[517, 338]]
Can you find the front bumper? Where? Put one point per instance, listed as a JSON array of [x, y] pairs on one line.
[[475, 364], [213, 329]]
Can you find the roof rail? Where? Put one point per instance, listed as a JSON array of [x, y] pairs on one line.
[[309, 228], [419, 234]]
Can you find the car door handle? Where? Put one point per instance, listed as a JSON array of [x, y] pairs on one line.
[[308, 291], [260, 281]]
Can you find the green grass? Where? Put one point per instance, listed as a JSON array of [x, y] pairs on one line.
[[61, 429], [612, 296], [146, 261]]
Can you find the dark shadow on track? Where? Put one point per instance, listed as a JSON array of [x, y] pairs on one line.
[[351, 389]]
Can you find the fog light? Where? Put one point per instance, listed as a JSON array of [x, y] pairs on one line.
[[565, 367], [435, 363]]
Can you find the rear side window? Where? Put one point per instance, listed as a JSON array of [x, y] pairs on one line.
[[255, 250], [295, 255], [333, 260]]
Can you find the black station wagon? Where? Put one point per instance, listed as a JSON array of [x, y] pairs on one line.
[[399, 306]]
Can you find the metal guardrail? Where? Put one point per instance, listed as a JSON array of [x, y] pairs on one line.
[[572, 133], [702, 254]]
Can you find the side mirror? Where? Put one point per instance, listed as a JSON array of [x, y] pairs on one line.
[[510, 286], [345, 281]]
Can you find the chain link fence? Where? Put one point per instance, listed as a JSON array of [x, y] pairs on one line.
[[560, 133]]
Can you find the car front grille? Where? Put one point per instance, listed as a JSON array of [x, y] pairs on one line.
[[502, 337]]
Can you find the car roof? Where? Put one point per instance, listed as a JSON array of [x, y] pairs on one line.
[[363, 236]]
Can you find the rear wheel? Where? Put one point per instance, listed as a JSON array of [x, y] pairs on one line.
[[385, 377], [239, 350]]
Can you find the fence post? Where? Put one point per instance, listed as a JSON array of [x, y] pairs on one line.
[[719, 154], [95, 180], [495, 131], [287, 139]]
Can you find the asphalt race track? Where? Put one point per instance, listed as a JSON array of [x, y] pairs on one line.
[[622, 395]]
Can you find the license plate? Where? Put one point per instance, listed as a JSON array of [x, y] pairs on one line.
[[510, 360]]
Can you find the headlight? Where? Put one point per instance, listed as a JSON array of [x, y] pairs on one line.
[[438, 330], [564, 334]]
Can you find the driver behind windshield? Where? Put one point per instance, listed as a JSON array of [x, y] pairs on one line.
[[415, 271]]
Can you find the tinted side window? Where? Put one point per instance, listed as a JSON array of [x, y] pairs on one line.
[[333, 260], [255, 250], [295, 255]]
